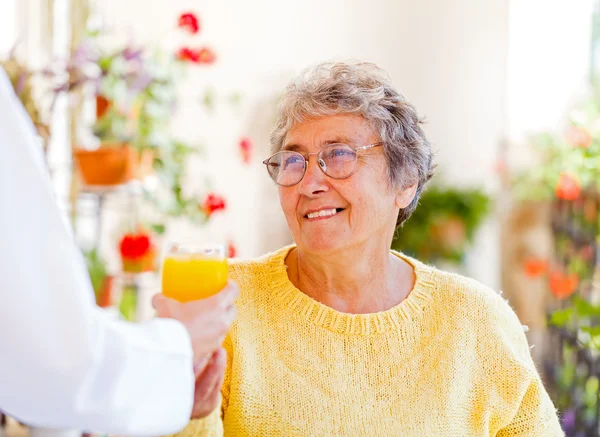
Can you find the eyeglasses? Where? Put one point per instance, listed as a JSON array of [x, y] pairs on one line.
[[338, 161]]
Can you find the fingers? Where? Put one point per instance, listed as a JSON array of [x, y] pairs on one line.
[[208, 385], [200, 365], [207, 320], [160, 302], [207, 405], [209, 377]]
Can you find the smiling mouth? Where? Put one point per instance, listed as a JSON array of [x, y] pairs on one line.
[[324, 213]]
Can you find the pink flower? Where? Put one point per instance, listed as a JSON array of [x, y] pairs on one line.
[[579, 137]]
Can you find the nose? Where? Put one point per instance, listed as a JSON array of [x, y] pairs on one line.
[[314, 180]]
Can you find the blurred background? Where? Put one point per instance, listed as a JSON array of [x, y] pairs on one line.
[[154, 118]]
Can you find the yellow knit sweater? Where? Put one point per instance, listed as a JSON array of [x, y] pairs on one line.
[[451, 360]]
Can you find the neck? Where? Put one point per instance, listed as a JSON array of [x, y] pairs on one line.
[[360, 281]]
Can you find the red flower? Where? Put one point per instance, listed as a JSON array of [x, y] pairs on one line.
[[568, 187], [199, 56], [579, 137], [189, 21], [246, 148], [231, 250], [213, 203], [562, 285], [134, 246], [188, 55], [206, 56], [535, 267]]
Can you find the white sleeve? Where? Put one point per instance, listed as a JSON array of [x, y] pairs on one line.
[[63, 362]]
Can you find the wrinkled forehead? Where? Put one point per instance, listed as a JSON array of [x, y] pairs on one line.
[[316, 133]]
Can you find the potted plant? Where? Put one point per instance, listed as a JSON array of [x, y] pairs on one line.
[[135, 91], [119, 82], [138, 252]]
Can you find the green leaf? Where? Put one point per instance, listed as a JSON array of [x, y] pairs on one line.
[[585, 309], [593, 331], [158, 228], [560, 318], [128, 304]]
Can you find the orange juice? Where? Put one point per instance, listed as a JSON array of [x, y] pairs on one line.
[[187, 277]]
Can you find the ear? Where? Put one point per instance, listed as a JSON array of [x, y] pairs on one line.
[[405, 196]]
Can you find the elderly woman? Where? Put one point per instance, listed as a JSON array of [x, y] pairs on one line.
[[339, 336]]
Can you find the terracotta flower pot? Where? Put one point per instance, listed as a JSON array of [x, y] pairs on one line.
[[112, 165], [104, 296], [102, 105]]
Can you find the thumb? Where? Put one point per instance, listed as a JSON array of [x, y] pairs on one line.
[[160, 303]]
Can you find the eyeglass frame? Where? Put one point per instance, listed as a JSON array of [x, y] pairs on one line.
[[306, 156]]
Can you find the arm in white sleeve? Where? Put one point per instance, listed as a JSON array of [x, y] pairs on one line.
[[63, 363]]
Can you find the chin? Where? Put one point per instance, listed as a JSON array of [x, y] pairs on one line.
[[322, 244]]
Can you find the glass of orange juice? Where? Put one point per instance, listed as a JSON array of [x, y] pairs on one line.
[[192, 271]]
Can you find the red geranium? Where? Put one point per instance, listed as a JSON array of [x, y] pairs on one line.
[[535, 267], [568, 187], [197, 56], [206, 56], [246, 148], [134, 246], [563, 285], [213, 203], [189, 22], [188, 54], [231, 250]]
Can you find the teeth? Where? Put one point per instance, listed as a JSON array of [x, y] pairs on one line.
[[322, 213]]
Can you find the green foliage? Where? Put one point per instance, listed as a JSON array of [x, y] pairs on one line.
[[575, 152], [443, 224], [580, 316], [96, 269]]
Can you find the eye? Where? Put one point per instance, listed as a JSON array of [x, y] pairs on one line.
[[338, 152], [294, 160], [342, 152]]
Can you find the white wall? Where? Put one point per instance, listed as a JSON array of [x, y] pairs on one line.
[[8, 26]]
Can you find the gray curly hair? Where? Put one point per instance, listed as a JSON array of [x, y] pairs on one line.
[[365, 89]]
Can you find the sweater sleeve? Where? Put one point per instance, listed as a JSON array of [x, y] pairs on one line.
[[536, 416]]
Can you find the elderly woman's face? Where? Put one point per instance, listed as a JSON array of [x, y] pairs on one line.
[[364, 206]]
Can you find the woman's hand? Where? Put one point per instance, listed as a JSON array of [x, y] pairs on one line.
[[208, 385]]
